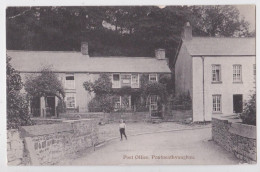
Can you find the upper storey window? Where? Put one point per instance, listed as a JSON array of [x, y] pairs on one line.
[[216, 73], [116, 81], [153, 77], [237, 73], [70, 82]]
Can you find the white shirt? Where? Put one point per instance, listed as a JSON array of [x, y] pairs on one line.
[[122, 125]]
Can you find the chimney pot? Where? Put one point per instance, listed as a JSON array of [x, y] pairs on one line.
[[160, 54], [187, 32], [84, 48]]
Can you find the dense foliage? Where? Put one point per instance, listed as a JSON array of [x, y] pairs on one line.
[[182, 102], [248, 115], [102, 103], [105, 94], [118, 30], [17, 104], [44, 84], [102, 85]]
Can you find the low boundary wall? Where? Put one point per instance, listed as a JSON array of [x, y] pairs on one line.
[[237, 138], [49, 144]]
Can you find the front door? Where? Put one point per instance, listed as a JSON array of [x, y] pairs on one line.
[[50, 106], [237, 103], [35, 107]]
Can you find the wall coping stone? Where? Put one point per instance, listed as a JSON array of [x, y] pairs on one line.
[[37, 130], [244, 130], [76, 120]]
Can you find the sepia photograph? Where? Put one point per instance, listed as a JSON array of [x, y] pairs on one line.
[[131, 85]]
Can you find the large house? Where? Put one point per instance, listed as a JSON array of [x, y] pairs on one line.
[[219, 73], [74, 68]]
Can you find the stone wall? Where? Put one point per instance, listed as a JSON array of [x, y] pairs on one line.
[[15, 148], [237, 138], [49, 144]]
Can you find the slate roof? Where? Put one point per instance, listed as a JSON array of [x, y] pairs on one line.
[[220, 46], [33, 61]]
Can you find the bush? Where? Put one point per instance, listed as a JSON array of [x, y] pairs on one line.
[[182, 102], [61, 107], [248, 115], [102, 85], [17, 104], [101, 103]]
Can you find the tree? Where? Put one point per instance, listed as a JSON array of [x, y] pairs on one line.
[[133, 30], [103, 100], [44, 84], [17, 104], [219, 20]]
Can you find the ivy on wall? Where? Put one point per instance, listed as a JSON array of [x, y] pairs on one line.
[[105, 94]]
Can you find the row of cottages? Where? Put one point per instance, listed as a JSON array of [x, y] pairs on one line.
[[219, 73], [74, 68]]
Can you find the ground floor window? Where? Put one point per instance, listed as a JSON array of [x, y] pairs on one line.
[[216, 103], [70, 100], [122, 102]]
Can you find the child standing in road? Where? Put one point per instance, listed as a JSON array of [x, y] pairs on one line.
[[122, 128]]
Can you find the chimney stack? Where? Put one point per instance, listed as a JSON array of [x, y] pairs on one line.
[[160, 54], [187, 32], [84, 48]]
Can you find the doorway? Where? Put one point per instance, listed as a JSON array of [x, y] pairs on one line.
[[35, 107], [50, 106], [237, 103]]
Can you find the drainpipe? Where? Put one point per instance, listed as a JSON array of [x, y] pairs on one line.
[[203, 89]]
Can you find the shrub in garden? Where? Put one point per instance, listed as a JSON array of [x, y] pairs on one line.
[[17, 104], [248, 115], [182, 100], [101, 103]]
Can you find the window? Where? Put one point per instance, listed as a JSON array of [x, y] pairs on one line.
[[116, 81], [153, 77], [125, 101], [216, 73], [216, 103], [117, 101], [125, 80], [153, 102], [254, 71], [135, 81], [237, 73], [122, 102], [70, 100], [70, 82]]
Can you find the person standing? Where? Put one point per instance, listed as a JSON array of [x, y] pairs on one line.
[[122, 128]]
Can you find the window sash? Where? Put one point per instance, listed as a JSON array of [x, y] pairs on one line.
[[237, 73], [115, 81], [70, 82], [216, 103], [153, 77], [70, 100], [216, 73], [122, 102]]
